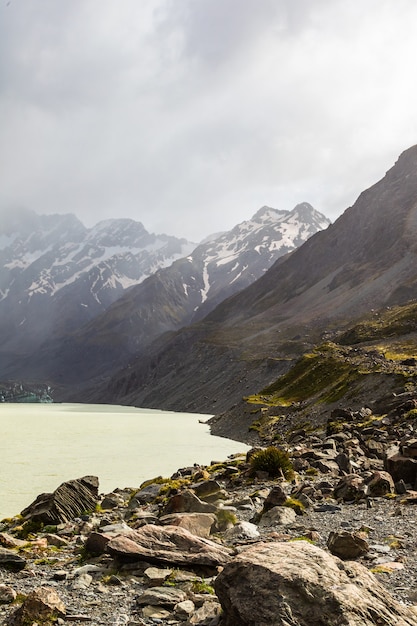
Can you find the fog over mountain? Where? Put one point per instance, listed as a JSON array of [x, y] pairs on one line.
[[77, 302]]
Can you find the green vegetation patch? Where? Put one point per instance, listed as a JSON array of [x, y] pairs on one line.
[[396, 321], [323, 373], [274, 461]]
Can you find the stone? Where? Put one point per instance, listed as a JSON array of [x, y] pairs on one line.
[[242, 531], [199, 524], [167, 544], [68, 501], [111, 501], [347, 545], [379, 484], [188, 502], [41, 606], [7, 594], [155, 576], [402, 468], [145, 495], [83, 581], [161, 596], [349, 488], [207, 490], [276, 497], [96, 543], [10, 560], [155, 613], [206, 614], [299, 584], [278, 516], [184, 610], [343, 462]]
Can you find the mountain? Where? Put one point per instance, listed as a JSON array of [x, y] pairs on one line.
[[56, 274], [173, 297], [366, 260]]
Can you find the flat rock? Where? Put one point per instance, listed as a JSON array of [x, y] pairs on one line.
[[167, 544], [298, 584], [161, 596]]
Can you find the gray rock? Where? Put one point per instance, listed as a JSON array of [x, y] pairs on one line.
[[298, 584], [278, 516], [187, 502], [42, 606], [162, 596], [10, 560], [68, 501], [7, 594], [347, 545]]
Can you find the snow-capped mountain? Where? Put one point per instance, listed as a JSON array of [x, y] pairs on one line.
[[172, 297], [56, 274]]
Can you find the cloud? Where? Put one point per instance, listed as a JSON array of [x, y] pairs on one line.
[[190, 115]]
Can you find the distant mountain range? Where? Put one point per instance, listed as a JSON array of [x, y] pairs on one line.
[[78, 303], [365, 261]]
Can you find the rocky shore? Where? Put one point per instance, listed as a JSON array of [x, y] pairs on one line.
[[324, 536]]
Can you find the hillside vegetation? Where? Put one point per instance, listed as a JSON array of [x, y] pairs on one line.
[[364, 366]]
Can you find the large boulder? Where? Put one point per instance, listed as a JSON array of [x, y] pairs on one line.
[[69, 500], [402, 467], [41, 606], [167, 544], [299, 584]]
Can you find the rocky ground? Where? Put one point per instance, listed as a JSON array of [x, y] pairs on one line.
[[165, 553]]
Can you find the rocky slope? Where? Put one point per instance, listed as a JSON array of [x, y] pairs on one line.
[[321, 534], [365, 260]]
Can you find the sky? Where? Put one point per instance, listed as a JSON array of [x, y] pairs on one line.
[[190, 115]]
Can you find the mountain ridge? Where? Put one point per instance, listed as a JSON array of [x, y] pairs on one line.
[[171, 297], [364, 260]]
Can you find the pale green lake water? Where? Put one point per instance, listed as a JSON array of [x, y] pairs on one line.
[[43, 445]]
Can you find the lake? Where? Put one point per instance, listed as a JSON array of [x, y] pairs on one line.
[[43, 445]]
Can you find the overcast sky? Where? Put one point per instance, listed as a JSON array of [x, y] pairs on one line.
[[189, 115]]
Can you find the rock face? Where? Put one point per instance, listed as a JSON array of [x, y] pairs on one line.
[[298, 584], [69, 500]]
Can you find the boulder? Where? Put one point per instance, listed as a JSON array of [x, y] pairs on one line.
[[10, 560], [278, 516], [199, 524], [68, 501], [42, 606], [349, 488], [298, 584], [379, 484], [167, 544], [7, 594], [187, 502], [161, 596], [402, 468], [276, 497], [347, 545]]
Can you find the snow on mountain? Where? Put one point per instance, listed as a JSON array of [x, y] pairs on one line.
[[50, 264]]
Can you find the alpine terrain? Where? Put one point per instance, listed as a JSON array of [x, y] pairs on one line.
[[363, 262], [78, 308]]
